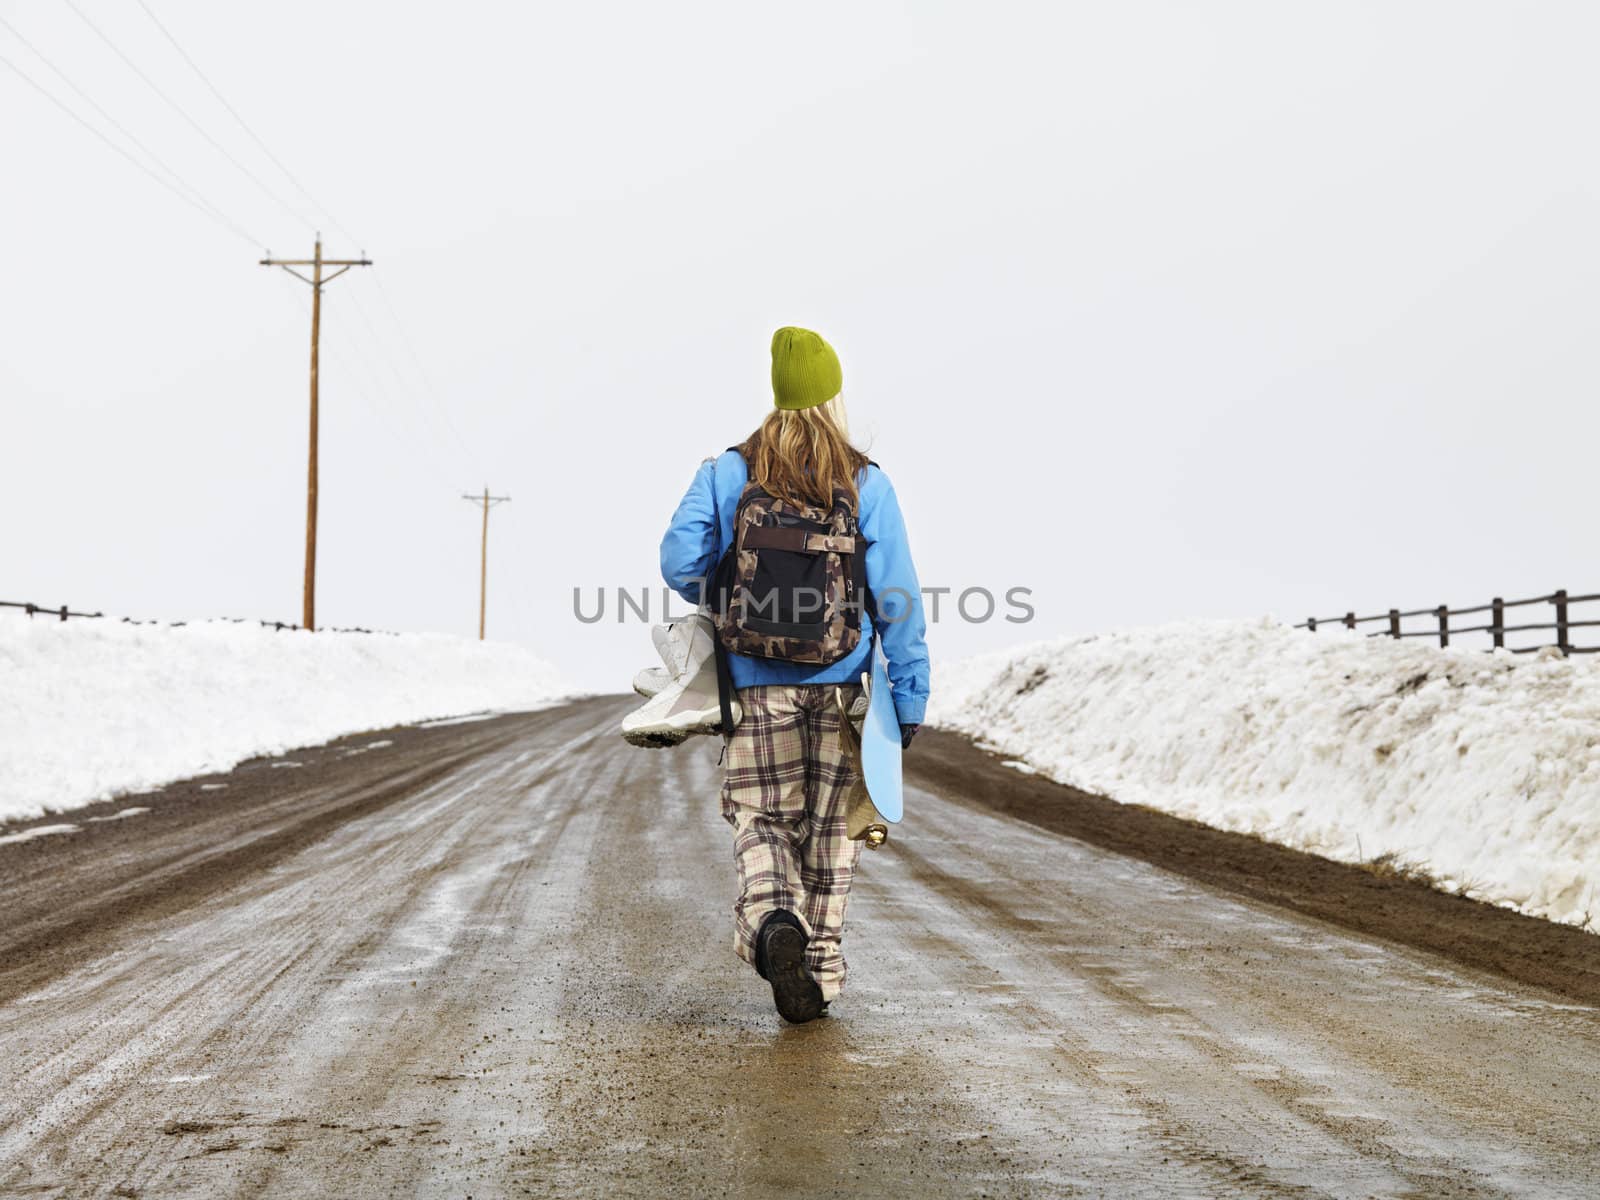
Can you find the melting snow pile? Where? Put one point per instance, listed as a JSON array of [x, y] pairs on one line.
[[90, 709], [1481, 769]]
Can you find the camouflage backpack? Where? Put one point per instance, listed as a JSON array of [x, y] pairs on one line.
[[791, 585]]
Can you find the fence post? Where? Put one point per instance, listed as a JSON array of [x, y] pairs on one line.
[[1394, 622], [1444, 625], [1349, 620], [1562, 639], [1499, 629], [1311, 624]]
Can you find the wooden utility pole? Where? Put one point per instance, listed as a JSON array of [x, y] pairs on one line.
[[308, 605], [488, 502]]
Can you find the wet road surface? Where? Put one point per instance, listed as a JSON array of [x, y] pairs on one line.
[[494, 959]]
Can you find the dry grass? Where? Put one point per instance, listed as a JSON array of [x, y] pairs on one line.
[[1392, 866]]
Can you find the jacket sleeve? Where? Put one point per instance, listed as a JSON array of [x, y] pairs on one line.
[[689, 547], [897, 598]]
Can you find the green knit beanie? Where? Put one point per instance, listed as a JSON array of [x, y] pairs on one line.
[[805, 370]]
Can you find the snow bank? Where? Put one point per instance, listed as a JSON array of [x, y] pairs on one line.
[[91, 709], [1482, 769]]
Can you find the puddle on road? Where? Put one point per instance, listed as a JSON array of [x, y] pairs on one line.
[[463, 720], [122, 815], [352, 751], [38, 831]]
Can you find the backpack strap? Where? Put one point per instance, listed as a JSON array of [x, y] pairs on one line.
[[724, 672], [724, 687]]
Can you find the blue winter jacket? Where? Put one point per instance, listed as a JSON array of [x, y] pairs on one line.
[[703, 526]]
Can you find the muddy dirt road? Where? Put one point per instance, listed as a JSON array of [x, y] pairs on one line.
[[493, 959]]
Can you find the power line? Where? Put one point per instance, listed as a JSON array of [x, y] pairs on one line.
[[184, 196], [379, 348], [440, 420], [440, 414], [416, 361], [182, 112], [336, 354], [194, 193], [350, 344], [243, 124]]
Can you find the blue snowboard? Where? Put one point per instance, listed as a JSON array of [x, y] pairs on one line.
[[880, 743]]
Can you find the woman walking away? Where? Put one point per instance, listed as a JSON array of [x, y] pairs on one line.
[[796, 542]]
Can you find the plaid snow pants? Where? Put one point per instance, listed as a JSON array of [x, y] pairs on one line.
[[784, 793]]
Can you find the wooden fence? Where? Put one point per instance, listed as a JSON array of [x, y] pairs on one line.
[[1440, 625], [63, 612], [36, 609]]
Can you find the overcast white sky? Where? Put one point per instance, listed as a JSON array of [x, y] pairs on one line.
[[1162, 310]]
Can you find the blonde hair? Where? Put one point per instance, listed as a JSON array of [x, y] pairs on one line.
[[804, 455]]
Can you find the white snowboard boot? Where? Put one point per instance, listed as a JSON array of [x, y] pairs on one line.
[[673, 642], [689, 702], [651, 680]]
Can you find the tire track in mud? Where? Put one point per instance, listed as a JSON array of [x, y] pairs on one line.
[[1278, 1056], [1526, 950], [676, 1078], [249, 972], [513, 976], [195, 844]]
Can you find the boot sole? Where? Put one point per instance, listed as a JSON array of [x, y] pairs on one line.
[[794, 991], [656, 739], [665, 733]]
